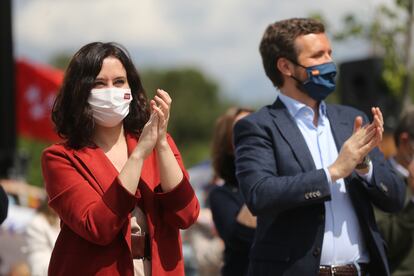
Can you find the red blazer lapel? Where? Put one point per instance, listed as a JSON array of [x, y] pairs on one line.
[[131, 143], [99, 166]]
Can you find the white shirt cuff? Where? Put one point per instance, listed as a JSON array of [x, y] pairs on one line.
[[367, 176], [328, 176]]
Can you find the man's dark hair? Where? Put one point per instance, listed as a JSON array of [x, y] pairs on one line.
[[71, 112], [278, 41], [405, 124]]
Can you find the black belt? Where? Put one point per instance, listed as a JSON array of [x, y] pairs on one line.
[[343, 270]]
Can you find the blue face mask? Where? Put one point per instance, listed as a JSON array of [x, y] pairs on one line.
[[320, 82]]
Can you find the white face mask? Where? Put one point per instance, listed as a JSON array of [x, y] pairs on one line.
[[110, 105]]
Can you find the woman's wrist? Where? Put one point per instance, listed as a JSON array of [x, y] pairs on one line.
[[162, 145], [138, 154]]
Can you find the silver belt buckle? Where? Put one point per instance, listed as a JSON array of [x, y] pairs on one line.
[[333, 270]]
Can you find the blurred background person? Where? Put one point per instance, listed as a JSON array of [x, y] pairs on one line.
[[117, 182], [234, 222], [398, 229], [40, 237], [4, 204], [205, 247], [19, 268]]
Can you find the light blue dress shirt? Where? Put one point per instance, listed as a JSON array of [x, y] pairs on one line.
[[343, 242]]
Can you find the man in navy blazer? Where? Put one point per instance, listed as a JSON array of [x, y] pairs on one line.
[[310, 171]]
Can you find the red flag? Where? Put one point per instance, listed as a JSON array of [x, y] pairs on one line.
[[36, 89]]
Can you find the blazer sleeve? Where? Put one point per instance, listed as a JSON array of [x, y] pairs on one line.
[[180, 205], [225, 209], [96, 218], [386, 190], [265, 189], [4, 205]]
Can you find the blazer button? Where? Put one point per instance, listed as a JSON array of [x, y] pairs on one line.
[[384, 188], [316, 252]]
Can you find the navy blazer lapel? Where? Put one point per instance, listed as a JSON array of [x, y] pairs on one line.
[[291, 132], [340, 126]]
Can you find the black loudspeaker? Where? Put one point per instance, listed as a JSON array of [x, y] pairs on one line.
[[362, 86]]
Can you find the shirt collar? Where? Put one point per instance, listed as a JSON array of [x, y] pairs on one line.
[[294, 106]]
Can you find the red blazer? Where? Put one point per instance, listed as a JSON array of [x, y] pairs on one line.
[[95, 236]]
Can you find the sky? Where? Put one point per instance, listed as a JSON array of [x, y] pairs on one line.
[[220, 37]]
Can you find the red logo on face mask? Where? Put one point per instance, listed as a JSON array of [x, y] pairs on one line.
[[315, 72], [127, 96]]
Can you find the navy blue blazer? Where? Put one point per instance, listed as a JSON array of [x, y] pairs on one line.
[[286, 192]]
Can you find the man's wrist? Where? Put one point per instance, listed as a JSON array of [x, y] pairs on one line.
[[334, 173], [364, 165]]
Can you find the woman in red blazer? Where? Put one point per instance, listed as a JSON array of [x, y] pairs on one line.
[[117, 167]]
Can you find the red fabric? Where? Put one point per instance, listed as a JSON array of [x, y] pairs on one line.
[[36, 88], [94, 207]]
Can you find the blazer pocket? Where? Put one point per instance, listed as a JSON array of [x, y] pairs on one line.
[[270, 252]]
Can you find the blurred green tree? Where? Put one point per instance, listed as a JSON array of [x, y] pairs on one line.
[[32, 149], [390, 35], [60, 60], [195, 107]]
